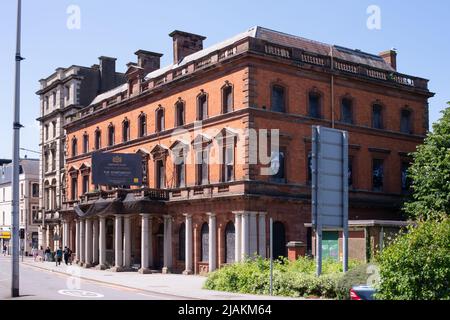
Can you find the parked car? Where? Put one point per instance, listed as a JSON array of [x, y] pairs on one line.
[[362, 293]]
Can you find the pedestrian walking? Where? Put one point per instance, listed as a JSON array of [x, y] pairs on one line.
[[5, 249], [67, 255], [34, 253], [58, 256], [47, 253]]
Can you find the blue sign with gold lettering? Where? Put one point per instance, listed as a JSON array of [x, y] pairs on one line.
[[116, 169]]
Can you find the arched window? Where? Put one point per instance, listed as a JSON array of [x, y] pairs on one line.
[[230, 243], [142, 125], [227, 98], [278, 99], [314, 103], [98, 139], [179, 114], [125, 130], [111, 135], [279, 240], [85, 143], [205, 242], [377, 120], [347, 110], [182, 242], [405, 121], [74, 147], [202, 106], [160, 121]]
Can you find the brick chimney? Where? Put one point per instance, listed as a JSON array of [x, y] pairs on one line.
[[148, 61], [185, 43], [107, 73], [390, 56]]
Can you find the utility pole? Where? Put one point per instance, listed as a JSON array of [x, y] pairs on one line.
[[16, 160]]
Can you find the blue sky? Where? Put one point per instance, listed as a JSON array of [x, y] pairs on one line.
[[417, 29]]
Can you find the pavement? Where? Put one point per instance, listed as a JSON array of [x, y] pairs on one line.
[[45, 280]]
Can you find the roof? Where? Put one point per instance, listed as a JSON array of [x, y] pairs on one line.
[[27, 166], [276, 37]]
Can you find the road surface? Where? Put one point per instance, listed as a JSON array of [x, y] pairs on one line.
[[38, 284]]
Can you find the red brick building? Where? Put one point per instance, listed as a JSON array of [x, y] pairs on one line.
[[194, 217]]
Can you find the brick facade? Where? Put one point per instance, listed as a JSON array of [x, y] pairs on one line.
[[251, 75]]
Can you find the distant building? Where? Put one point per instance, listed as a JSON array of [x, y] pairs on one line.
[[62, 94], [28, 197]]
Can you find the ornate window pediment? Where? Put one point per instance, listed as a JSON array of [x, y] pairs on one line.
[[159, 151]]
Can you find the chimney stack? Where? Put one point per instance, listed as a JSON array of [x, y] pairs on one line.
[[185, 43], [148, 61], [390, 56], [107, 73]]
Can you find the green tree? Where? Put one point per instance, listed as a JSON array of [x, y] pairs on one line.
[[430, 173], [416, 266]]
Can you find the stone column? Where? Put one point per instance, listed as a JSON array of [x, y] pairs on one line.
[[102, 243], [66, 233], [188, 245], [127, 242], [237, 239], [253, 236], [150, 241], [212, 242], [77, 241], [82, 241], [167, 244], [95, 242], [262, 235], [88, 242], [118, 242], [145, 240], [244, 235]]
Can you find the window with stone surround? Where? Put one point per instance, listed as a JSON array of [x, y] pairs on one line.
[[278, 98], [377, 174], [377, 119], [160, 119], [111, 135], [202, 106], [98, 139], [227, 98], [179, 114], [405, 121], [74, 147], [314, 104], [125, 130], [85, 143], [142, 125], [347, 110]]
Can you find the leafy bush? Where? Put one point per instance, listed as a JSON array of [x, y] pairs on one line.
[[416, 266], [294, 279]]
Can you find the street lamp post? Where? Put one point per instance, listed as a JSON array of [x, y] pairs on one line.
[[16, 163]]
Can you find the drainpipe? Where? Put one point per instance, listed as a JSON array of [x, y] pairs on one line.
[[332, 87]]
